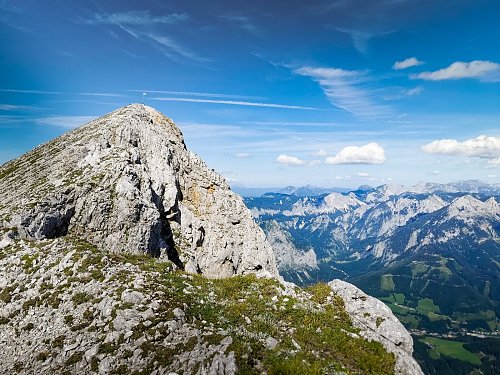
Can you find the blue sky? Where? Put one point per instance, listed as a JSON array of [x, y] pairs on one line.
[[330, 93]]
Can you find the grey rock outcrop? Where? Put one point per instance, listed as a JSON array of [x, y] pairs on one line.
[[377, 322], [126, 182]]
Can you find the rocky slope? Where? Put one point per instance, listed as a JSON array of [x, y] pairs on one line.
[[68, 308], [376, 322], [115, 245], [128, 183]]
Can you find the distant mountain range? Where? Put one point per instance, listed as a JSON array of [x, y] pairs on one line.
[[430, 251], [468, 186], [302, 191]]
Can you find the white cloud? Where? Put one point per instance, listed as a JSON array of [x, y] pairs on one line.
[[372, 153], [363, 174], [172, 46], [413, 91], [407, 63], [481, 147], [102, 94], [360, 39], [202, 94], [492, 176], [322, 153], [486, 71], [141, 26], [295, 161], [15, 107], [65, 121], [134, 18], [405, 92], [347, 89], [41, 92], [243, 155], [245, 23], [235, 102], [290, 160], [494, 162]]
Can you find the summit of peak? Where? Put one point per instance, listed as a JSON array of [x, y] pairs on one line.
[[126, 182], [135, 118]]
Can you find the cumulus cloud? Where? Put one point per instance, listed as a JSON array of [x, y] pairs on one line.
[[363, 174], [289, 160], [486, 71], [480, 147], [407, 63], [371, 153], [295, 161]]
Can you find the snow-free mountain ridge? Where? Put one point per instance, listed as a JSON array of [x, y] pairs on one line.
[[120, 251]]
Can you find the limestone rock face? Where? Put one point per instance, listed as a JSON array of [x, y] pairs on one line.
[[127, 183], [376, 322]]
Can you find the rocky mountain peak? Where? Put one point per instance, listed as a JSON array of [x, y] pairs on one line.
[[469, 206], [126, 182]]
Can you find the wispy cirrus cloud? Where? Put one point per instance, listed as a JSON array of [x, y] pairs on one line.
[[202, 94], [9, 7], [405, 93], [245, 23], [407, 63], [347, 89], [102, 94], [137, 17], [486, 71], [41, 92], [68, 122], [141, 25], [361, 38], [235, 102], [15, 107], [172, 49]]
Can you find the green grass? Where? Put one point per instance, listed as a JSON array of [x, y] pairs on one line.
[[435, 317], [426, 305], [387, 283], [399, 298], [410, 320], [399, 310], [451, 349], [418, 268]]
